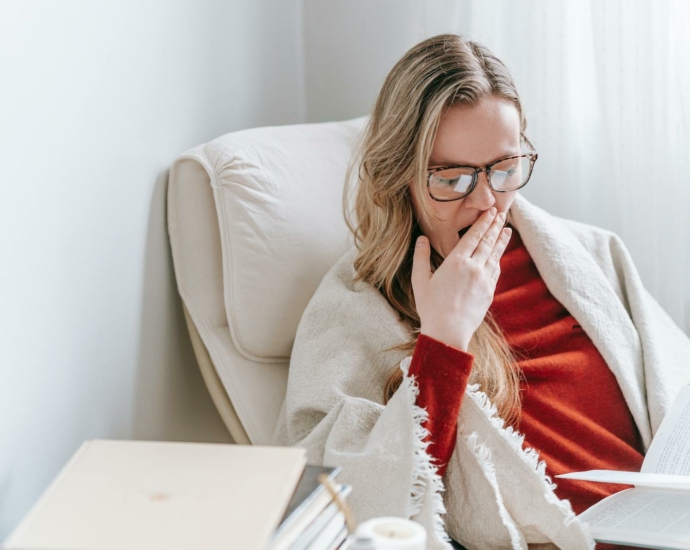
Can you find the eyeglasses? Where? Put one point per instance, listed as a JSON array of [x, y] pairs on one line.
[[450, 183]]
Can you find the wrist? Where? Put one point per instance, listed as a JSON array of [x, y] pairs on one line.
[[452, 340]]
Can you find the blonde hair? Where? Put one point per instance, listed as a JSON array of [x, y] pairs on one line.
[[394, 149]]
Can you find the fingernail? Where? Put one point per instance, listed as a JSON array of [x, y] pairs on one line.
[[419, 242], [502, 216], [492, 211]]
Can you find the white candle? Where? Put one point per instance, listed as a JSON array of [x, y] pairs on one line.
[[392, 533]]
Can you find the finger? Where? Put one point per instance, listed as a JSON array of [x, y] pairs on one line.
[[496, 274], [494, 259], [470, 240], [421, 264], [486, 245]]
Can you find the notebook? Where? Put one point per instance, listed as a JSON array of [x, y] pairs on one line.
[[289, 538], [316, 527], [308, 489], [146, 495]]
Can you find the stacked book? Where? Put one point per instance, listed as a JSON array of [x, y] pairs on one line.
[[314, 519]]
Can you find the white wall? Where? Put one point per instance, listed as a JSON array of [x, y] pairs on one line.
[[96, 100], [351, 45], [349, 48]]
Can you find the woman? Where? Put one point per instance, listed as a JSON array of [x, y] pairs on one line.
[[452, 368]]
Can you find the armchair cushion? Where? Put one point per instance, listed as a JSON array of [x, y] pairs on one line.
[[278, 197]]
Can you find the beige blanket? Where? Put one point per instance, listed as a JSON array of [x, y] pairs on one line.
[[494, 493]]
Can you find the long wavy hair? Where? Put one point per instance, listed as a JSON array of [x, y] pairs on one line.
[[394, 150]]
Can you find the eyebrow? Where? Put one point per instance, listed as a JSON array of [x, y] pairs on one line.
[[435, 164]]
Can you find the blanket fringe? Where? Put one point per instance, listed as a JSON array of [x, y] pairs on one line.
[[529, 456], [425, 475], [483, 455]]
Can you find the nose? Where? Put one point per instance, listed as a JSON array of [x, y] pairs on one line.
[[482, 197]]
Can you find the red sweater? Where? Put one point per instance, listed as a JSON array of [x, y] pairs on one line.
[[573, 411]]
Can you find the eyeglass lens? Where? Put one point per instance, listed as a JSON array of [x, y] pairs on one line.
[[452, 183]]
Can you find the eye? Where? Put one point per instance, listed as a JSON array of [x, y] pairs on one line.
[[510, 173], [450, 183]]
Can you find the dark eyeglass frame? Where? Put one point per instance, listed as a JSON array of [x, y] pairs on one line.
[[532, 156]]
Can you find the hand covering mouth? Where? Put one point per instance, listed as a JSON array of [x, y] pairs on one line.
[[466, 229]]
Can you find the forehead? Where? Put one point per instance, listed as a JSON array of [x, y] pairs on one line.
[[478, 133]]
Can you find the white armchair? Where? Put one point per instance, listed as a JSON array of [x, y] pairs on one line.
[[255, 221]]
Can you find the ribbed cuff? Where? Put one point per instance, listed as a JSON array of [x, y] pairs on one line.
[[441, 372]]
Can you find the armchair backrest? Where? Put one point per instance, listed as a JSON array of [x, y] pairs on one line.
[[255, 221]]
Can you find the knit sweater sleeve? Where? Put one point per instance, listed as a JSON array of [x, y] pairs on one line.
[[442, 373]]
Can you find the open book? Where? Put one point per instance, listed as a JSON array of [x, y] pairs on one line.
[[656, 513]]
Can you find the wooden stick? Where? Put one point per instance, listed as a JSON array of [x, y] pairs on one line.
[[350, 522]]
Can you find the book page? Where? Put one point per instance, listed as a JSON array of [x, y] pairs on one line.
[[639, 480], [642, 516], [669, 452]]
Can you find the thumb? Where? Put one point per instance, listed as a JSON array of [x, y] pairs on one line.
[[421, 263]]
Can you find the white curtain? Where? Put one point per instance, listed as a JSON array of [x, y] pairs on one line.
[[606, 86]]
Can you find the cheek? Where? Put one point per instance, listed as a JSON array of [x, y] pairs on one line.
[[437, 230], [439, 209], [446, 212]]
